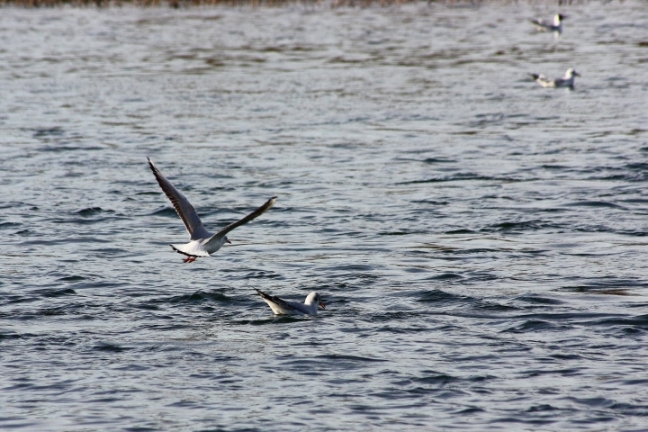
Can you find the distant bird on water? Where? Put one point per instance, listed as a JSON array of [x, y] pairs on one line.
[[202, 242], [283, 307], [556, 26], [566, 81]]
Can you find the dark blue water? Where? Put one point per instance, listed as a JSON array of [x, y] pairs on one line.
[[480, 241]]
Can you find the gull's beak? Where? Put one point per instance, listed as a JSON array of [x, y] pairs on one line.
[[321, 304], [227, 241], [576, 74]]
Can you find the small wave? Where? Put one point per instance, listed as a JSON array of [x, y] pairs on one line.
[[403, 330], [541, 408], [40, 132], [74, 278], [592, 402], [538, 300], [594, 204], [52, 311], [346, 357], [54, 293], [70, 240], [437, 160], [605, 285], [109, 347], [436, 296], [460, 177], [445, 276], [275, 319], [494, 307], [164, 211], [438, 379], [640, 321], [10, 335], [521, 226], [399, 233], [90, 211], [12, 299], [392, 316], [460, 231], [532, 325], [200, 297], [6, 225]]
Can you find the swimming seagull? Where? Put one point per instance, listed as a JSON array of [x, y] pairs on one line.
[[543, 25], [283, 307], [202, 242], [566, 81]]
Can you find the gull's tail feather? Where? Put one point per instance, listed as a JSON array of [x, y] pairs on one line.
[[190, 249]]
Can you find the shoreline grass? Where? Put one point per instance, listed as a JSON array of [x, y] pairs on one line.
[[178, 4], [193, 3]]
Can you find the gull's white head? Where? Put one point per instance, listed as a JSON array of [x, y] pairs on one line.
[[314, 298], [571, 73]]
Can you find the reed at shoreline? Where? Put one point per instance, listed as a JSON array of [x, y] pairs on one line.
[[254, 3], [191, 3]]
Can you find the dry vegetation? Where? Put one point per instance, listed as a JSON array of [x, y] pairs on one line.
[[189, 3], [182, 3]]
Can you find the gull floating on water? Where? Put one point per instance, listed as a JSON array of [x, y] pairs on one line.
[[283, 307], [543, 25], [202, 243], [566, 81]]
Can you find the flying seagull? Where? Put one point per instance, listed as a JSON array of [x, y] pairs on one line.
[[543, 25], [202, 242], [566, 81], [283, 307]]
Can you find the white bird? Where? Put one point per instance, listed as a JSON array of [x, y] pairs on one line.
[[566, 81], [283, 307], [556, 26], [202, 242]]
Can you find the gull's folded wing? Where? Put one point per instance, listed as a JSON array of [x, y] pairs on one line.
[[280, 306]]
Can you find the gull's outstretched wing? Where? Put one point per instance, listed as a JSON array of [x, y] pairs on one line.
[[255, 214], [181, 205]]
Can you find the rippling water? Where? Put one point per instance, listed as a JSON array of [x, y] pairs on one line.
[[480, 241]]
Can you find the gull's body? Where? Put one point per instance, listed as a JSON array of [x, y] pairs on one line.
[[566, 81], [555, 26], [284, 307], [202, 242]]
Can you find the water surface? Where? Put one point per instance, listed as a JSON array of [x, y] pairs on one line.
[[480, 241]]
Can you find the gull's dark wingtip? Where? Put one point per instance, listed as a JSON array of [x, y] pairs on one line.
[[263, 295], [156, 171], [268, 204]]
